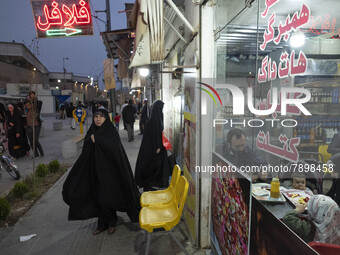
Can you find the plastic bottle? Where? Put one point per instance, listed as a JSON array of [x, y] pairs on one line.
[[275, 188]]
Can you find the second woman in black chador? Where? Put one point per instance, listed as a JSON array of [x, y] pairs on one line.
[[152, 167], [101, 181]]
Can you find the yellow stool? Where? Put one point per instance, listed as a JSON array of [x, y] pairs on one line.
[[159, 197], [323, 151], [165, 216]]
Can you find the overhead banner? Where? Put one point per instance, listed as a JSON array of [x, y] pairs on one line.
[[149, 40], [141, 47], [109, 76], [62, 18]]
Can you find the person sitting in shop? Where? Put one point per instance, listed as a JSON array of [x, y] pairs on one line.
[[323, 223], [240, 154], [299, 181], [334, 149], [334, 146]]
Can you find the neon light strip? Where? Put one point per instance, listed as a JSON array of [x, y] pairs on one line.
[[63, 32]]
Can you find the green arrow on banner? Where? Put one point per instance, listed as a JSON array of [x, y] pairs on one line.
[[63, 32]]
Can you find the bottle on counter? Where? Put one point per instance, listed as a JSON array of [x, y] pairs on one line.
[[275, 188]]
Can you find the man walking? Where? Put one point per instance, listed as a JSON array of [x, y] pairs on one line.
[[129, 118], [36, 109], [69, 113]]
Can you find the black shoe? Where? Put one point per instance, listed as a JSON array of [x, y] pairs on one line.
[[111, 230], [140, 133], [129, 141], [97, 232]]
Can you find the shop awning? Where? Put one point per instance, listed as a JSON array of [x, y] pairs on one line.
[[149, 40], [118, 44]]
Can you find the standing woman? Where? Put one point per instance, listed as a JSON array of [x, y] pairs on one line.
[[101, 181], [17, 141], [152, 167]]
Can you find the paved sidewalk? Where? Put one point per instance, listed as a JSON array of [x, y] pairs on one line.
[[55, 235]]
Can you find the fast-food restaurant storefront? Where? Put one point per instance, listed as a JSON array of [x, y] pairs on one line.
[[276, 76], [270, 69]]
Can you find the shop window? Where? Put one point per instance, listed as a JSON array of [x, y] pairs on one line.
[[283, 57]]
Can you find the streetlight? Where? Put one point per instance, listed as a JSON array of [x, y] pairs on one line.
[[144, 72], [136, 90], [64, 64]]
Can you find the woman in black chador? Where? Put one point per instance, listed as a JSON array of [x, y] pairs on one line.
[[17, 140], [152, 168], [101, 181]]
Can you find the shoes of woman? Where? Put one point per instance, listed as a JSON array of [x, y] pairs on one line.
[[111, 230], [97, 232]]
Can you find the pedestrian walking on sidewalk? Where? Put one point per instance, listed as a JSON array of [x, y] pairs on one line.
[[101, 181], [69, 113], [17, 140], [153, 166], [121, 112], [117, 119], [32, 120], [129, 113], [36, 108], [143, 117]]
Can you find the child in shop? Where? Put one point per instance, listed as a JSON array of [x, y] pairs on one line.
[[299, 182], [323, 224], [117, 119]]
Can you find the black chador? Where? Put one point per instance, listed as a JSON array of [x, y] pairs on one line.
[[101, 181], [152, 167]]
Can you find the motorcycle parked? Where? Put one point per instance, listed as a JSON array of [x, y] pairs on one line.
[[6, 162]]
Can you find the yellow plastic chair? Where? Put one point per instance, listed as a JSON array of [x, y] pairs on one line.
[[323, 151], [165, 216], [159, 197]]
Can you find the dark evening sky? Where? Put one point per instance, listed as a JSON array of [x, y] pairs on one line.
[[85, 54]]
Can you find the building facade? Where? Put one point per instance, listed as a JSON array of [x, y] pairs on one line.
[[21, 72]]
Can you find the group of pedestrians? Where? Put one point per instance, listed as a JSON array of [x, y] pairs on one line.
[[22, 123], [101, 182]]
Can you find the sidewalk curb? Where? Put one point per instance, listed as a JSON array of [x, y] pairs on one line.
[[6, 192]]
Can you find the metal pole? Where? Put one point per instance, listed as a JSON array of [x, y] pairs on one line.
[[108, 16], [108, 28]]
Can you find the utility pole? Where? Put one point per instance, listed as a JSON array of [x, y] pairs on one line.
[[112, 92], [108, 16], [108, 28]]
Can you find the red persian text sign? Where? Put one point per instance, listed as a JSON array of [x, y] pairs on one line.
[[62, 18], [288, 66]]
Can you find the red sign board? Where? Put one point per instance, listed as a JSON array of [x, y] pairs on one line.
[[62, 18]]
